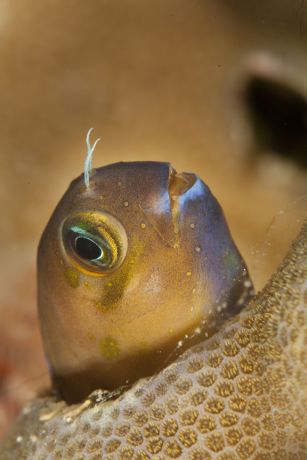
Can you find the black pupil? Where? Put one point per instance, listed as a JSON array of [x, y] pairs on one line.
[[87, 249]]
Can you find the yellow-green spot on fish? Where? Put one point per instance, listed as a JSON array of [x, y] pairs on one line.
[[114, 291], [109, 348], [72, 277], [101, 307]]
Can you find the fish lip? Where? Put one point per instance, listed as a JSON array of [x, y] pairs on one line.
[[179, 183]]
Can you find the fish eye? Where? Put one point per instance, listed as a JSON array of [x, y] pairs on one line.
[[88, 249], [92, 249], [94, 242]]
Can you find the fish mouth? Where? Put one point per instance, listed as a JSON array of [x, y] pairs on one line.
[[179, 183]]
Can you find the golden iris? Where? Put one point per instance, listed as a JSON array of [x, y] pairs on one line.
[[94, 241]]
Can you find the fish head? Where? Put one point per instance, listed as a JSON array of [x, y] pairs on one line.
[[132, 270]]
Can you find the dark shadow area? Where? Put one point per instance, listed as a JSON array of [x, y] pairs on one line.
[[278, 114]]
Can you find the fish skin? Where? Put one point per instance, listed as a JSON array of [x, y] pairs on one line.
[[242, 394], [179, 276]]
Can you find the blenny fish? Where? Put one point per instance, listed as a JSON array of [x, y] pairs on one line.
[[156, 345]]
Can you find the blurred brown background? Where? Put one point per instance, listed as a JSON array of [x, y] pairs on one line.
[[186, 81]]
